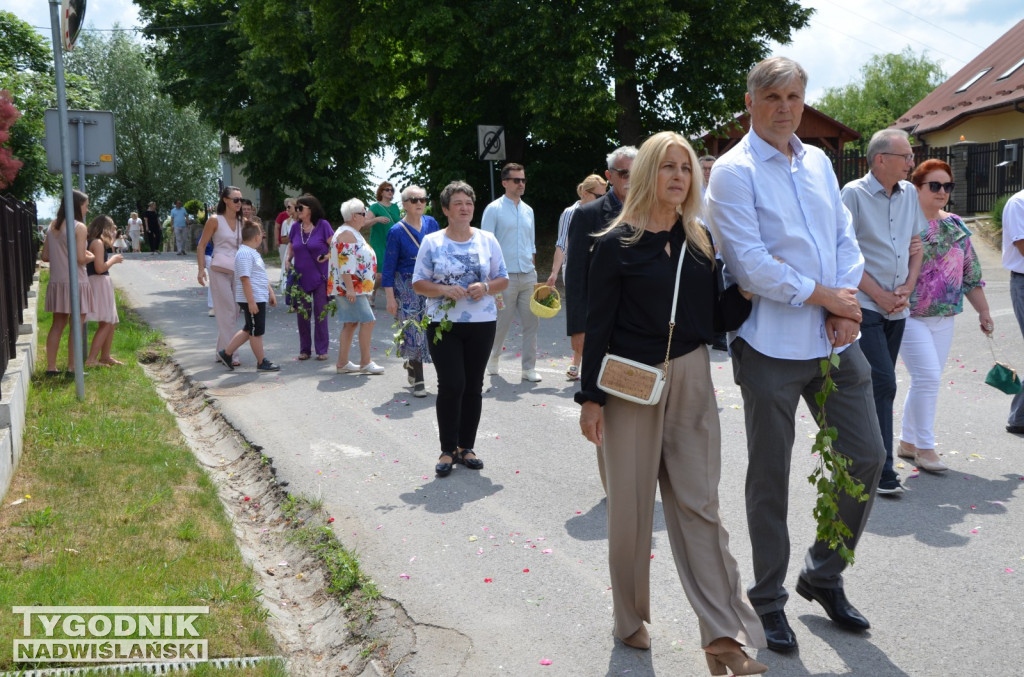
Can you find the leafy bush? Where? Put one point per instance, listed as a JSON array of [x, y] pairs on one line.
[[997, 212], [193, 207]]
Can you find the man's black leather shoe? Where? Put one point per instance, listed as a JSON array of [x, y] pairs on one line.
[[1015, 429], [777, 631], [834, 601]]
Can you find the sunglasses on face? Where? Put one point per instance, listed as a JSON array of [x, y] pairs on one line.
[[236, 200], [414, 200], [299, 208], [516, 179], [936, 186], [623, 173], [358, 213], [388, 190]]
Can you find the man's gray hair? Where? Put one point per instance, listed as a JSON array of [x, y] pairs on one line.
[[707, 158], [881, 142], [773, 72], [623, 151], [407, 191]]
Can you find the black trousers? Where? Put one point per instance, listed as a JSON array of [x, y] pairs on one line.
[[460, 358]]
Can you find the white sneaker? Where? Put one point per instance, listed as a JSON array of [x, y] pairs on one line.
[[350, 368], [492, 366], [210, 312], [372, 368], [531, 375]]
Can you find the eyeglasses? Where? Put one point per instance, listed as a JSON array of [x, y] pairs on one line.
[[516, 179], [299, 208], [909, 157], [936, 186], [623, 173], [358, 213], [595, 194], [414, 200], [236, 200]]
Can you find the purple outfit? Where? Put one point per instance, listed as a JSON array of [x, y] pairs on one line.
[[312, 279]]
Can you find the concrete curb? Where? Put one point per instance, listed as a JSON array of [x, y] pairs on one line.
[[14, 388]]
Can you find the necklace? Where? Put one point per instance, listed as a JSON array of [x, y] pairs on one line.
[[305, 235]]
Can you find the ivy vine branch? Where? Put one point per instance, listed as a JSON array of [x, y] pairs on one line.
[[831, 476], [302, 301], [399, 326]]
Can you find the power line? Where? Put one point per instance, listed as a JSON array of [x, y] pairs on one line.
[[892, 30], [944, 30]]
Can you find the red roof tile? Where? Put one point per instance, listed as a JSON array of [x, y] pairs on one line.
[[991, 91]]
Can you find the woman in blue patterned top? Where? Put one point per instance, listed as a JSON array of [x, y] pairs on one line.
[[459, 269]]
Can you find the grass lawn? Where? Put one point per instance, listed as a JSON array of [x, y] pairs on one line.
[[115, 511]]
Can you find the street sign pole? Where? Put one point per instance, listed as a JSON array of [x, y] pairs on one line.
[[69, 200]]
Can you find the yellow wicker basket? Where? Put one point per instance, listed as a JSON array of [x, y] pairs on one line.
[[542, 291]]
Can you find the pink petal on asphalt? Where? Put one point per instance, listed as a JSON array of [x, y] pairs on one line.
[[545, 661]]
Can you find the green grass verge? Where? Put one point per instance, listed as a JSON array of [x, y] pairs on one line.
[[117, 512]]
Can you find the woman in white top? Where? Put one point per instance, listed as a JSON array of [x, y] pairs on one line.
[[459, 269], [135, 232], [353, 269], [225, 229]]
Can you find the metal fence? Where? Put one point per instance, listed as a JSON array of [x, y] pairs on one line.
[[983, 172], [18, 248]]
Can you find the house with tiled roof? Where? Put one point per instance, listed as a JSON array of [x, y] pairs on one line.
[[983, 102]]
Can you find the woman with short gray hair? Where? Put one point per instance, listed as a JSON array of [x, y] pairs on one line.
[[353, 271]]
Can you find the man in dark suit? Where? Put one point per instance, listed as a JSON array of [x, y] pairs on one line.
[[587, 220]]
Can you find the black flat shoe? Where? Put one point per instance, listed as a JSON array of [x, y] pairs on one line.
[[777, 631], [471, 463], [444, 469], [834, 601]]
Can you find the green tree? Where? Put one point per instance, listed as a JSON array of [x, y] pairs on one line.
[[889, 86], [26, 71], [164, 152]]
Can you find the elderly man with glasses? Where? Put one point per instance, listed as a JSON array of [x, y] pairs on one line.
[[886, 218]]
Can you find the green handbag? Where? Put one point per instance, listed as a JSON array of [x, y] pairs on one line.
[[1001, 376]]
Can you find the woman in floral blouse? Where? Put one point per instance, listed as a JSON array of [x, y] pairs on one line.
[[950, 271], [352, 271]]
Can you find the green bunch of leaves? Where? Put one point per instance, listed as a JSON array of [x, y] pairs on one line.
[[831, 476], [997, 212], [422, 324], [302, 301]]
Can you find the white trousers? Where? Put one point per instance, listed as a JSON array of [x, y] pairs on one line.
[[926, 342]]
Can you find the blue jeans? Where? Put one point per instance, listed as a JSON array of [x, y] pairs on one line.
[[880, 342], [1017, 298]]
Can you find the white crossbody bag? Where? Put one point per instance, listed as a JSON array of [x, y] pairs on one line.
[[635, 381]]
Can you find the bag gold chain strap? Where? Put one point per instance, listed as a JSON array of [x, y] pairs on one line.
[[675, 301]]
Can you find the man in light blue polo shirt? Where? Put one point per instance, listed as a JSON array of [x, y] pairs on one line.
[[886, 217], [1013, 261], [511, 221], [179, 219]]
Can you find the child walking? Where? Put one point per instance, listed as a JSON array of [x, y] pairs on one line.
[[99, 240], [252, 292]]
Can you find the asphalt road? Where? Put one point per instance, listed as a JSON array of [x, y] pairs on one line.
[[507, 567]]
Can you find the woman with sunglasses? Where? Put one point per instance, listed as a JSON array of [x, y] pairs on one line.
[[949, 272], [385, 214], [224, 229], [353, 270], [403, 244], [309, 244]]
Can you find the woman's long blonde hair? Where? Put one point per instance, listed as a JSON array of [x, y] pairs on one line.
[[643, 194]]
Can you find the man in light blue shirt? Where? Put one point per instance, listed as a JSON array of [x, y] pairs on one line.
[[511, 221], [887, 218], [179, 220], [774, 208]]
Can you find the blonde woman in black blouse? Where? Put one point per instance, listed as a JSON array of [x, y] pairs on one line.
[[676, 442]]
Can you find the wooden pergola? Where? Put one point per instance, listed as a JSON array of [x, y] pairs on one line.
[[816, 129]]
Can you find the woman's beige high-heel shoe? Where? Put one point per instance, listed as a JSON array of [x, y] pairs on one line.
[[639, 639], [737, 661]]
